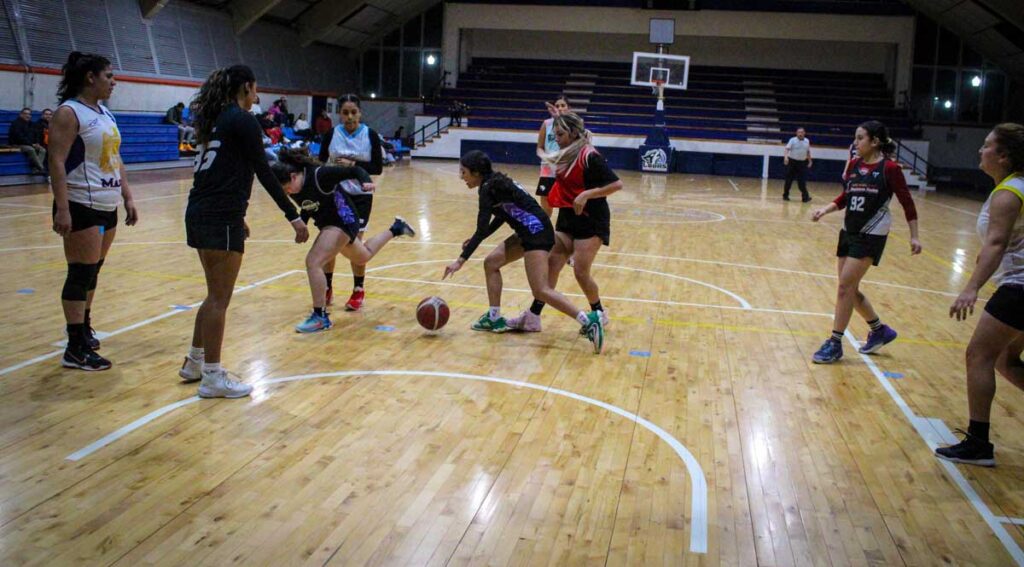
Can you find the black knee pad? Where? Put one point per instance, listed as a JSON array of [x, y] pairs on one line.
[[96, 275], [76, 286]]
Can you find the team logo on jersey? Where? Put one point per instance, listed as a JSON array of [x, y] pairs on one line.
[[310, 206], [874, 174], [110, 157], [863, 171], [655, 160]]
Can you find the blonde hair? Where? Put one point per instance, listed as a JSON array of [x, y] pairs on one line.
[[562, 159]]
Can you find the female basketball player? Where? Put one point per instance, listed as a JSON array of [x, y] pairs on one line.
[[507, 202], [583, 183], [230, 151], [546, 144], [870, 183], [353, 143], [317, 190], [88, 182], [998, 339]]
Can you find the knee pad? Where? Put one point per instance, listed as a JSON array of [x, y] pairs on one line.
[[76, 286], [95, 275]]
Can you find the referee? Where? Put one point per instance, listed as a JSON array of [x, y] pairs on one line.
[[798, 160]]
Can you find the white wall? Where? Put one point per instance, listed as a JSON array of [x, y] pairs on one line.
[[386, 116], [703, 50], [866, 32], [128, 96], [954, 147]]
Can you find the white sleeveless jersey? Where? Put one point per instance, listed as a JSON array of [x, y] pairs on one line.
[[1011, 267], [355, 147], [550, 146], [93, 165]]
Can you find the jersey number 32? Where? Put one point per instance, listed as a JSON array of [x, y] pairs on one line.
[[204, 159]]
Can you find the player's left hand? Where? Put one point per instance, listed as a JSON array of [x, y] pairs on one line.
[[245, 229], [452, 268], [915, 247], [369, 187], [301, 232], [580, 202], [131, 213]]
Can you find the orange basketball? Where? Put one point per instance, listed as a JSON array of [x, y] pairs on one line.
[[432, 313]]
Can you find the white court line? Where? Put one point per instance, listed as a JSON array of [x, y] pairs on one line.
[[21, 206], [32, 214], [954, 473], [950, 207], [698, 483], [734, 186], [743, 302], [144, 322], [1014, 521]]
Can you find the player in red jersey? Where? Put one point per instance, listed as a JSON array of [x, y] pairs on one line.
[[869, 185]]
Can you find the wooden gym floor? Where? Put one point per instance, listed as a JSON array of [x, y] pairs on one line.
[[703, 435]]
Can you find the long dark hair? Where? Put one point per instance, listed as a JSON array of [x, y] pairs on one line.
[[876, 129], [78, 66], [220, 89], [354, 99], [292, 160]]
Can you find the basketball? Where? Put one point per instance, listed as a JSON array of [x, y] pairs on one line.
[[432, 313]]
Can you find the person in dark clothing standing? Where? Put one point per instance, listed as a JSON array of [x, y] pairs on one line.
[[21, 135], [41, 128], [798, 161], [230, 151]]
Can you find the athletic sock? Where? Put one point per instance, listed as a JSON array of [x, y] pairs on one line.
[[88, 319], [197, 353], [211, 367], [582, 318], [493, 313], [330, 279], [875, 324], [978, 429], [596, 306], [358, 281], [536, 307], [318, 311], [76, 334], [837, 336]]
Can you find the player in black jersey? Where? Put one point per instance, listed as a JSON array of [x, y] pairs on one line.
[[507, 202], [230, 151], [869, 185], [317, 189]]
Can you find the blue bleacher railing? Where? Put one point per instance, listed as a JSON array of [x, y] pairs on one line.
[[430, 130]]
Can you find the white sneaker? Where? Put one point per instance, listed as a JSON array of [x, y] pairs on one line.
[[604, 318], [191, 370], [218, 385], [527, 322]]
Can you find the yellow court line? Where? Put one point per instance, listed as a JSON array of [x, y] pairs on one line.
[[946, 263]]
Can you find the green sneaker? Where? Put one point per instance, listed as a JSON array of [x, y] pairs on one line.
[[594, 330], [484, 323]]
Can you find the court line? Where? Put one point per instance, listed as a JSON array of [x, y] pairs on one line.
[[1014, 521], [698, 482], [145, 322], [733, 183], [32, 214], [743, 302], [954, 473], [21, 206], [950, 207]]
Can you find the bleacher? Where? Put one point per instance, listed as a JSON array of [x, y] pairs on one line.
[[144, 138], [721, 103]]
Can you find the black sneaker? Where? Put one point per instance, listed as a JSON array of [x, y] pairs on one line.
[[806, 199], [83, 358], [402, 228], [970, 451], [90, 338]]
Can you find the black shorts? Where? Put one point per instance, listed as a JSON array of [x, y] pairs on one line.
[[545, 241], [1007, 305], [212, 234], [83, 217], [861, 246], [544, 185], [363, 205], [345, 215], [596, 220]]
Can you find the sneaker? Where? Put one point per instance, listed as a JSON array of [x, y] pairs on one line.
[[604, 321], [314, 323], [218, 385], [191, 370], [83, 358], [806, 199], [91, 340], [595, 331], [527, 322], [402, 228], [355, 301], [878, 339], [785, 197], [829, 352], [484, 323], [970, 451], [330, 297]]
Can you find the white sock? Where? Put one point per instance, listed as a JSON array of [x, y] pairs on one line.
[[211, 367], [494, 312], [196, 353], [582, 318]]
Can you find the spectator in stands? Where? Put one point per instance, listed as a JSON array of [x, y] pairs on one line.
[[256, 109], [286, 116], [302, 129], [455, 113], [323, 123], [41, 128], [399, 133], [186, 133], [21, 135], [797, 158]]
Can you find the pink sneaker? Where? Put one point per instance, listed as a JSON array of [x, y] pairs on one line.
[[526, 322]]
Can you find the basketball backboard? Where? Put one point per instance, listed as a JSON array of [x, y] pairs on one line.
[[651, 68]]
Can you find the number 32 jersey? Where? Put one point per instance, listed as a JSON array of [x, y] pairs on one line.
[[867, 192]]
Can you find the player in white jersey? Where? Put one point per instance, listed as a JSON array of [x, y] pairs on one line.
[[998, 340], [88, 183], [546, 144], [353, 143]]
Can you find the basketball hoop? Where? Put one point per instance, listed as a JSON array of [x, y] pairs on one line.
[[659, 86]]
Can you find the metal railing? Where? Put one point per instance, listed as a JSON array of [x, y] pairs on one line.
[[917, 164], [430, 131]]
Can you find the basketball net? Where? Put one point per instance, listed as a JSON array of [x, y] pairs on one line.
[[660, 87]]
